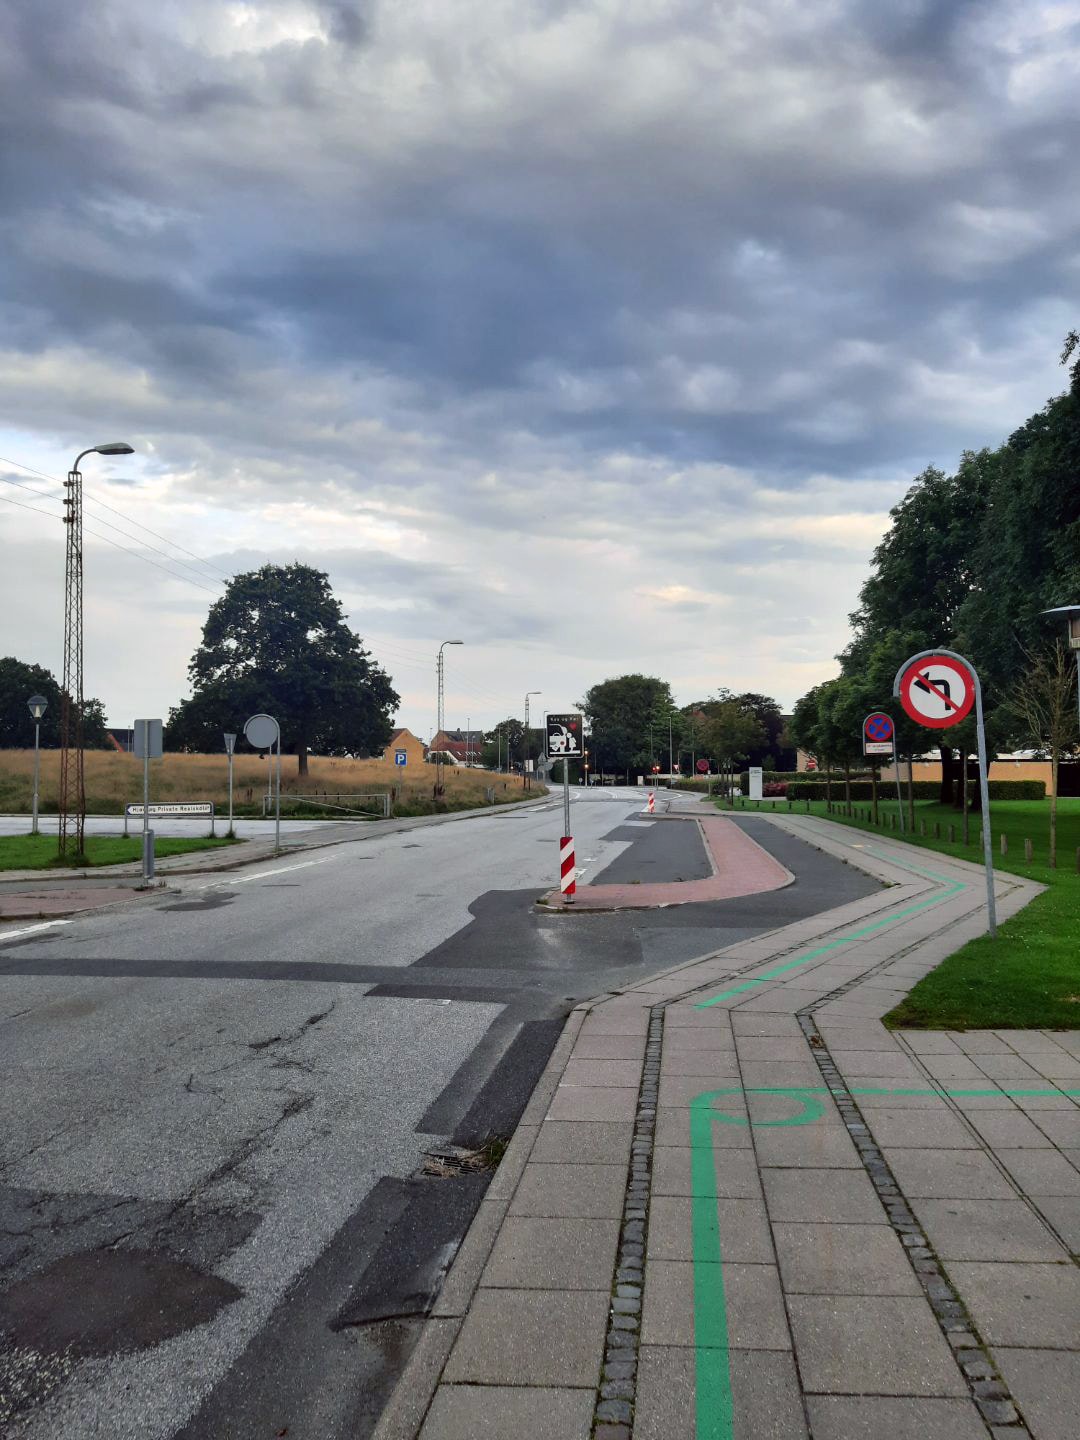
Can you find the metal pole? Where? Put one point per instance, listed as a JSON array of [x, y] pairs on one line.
[[230, 794], [670, 766], [147, 834], [37, 773], [984, 791], [899, 795], [566, 796], [277, 796]]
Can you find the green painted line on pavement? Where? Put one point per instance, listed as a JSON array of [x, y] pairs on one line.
[[952, 887], [713, 1404]]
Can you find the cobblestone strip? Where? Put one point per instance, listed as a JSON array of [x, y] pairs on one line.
[[987, 1387], [614, 1415]]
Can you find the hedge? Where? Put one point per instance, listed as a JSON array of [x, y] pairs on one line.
[[923, 790]]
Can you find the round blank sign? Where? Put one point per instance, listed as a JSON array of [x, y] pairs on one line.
[[261, 732]]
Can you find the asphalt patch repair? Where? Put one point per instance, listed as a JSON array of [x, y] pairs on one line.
[[102, 1302]]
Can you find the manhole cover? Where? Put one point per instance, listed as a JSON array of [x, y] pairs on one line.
[[103, 1301]]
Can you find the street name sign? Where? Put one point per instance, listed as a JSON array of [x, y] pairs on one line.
[[878, 734], [184, 811], [564, 736], [937, 689]]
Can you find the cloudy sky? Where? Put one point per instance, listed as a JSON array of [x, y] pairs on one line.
[[599, 334]]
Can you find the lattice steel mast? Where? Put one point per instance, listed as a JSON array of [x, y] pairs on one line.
[[72, 771]]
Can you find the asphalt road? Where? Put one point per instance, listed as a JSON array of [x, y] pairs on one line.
[[213, 1109]]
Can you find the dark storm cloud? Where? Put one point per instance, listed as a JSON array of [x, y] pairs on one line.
[[464, 284]]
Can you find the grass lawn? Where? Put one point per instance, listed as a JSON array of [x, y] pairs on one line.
[[1029, 977], [38, 852]]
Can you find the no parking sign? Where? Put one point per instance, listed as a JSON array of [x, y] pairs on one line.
[[878, 734]]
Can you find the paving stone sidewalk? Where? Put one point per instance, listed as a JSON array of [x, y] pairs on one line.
[[737, 1208]]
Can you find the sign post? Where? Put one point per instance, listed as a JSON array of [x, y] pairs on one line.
[[148, 745], [230, 746], [938, 688], [879, 738], [565, 741], [262, 732]]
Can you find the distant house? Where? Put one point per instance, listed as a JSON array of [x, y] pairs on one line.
[[466, 746], [403, 739]]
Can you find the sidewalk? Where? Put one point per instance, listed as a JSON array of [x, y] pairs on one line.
[[737, 1208]]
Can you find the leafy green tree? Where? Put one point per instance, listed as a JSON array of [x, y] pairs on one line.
[[277, 641], [732, 733], [18, 681], [619, 712], [503, 744]]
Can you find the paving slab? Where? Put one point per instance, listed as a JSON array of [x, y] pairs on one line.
[[844, 1417], [530, 1337], [503, 1412], [1046, 1386], [589, 1191], [751, 1297], [822, 1195], [862, 1345], [843, 1260], [1021, 1304], [948, 1174], [986, 1230], [765, 1399], [583, 1142], [743, 1227], [1041, 1172], [537, 1253]]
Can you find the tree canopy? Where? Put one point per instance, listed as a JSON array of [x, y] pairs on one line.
[[626, 716], [969, 562], [18, 681], [277, 641]]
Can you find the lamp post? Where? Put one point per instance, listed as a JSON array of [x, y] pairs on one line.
[[440, 670], [73, 786], [38, 705], [525, 738]]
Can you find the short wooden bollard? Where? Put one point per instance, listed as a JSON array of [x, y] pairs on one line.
[[922, 829], [937, 829], [952, 834], [1004, 843], [1028, 851]]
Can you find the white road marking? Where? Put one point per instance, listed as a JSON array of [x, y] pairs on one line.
[[265, 874], [30, 929]]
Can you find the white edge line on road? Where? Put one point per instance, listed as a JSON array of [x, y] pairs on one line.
[[30, 929], [265, 874]]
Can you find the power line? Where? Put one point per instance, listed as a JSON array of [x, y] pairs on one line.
[[104, 505], [51, 515]]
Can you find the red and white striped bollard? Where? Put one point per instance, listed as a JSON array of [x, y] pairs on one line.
[[652, 802], [567, 882]]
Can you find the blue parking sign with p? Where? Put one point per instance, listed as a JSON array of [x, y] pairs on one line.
[[401, 757]]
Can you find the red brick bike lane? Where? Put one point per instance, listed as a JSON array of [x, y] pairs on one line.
[[740, 867]]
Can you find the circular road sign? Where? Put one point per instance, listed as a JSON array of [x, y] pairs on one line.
[[878, 726], [937, 690], [261, 732], [703, 767]]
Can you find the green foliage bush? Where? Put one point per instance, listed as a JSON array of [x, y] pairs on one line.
[[923, 789]]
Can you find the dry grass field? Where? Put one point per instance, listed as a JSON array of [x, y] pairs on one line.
[[113, 779]]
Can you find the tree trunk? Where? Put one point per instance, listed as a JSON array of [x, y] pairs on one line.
[[911, 795], [301, 755], [873, 791], [948, 775], [847, 787], [1053, 808], [828, 781]]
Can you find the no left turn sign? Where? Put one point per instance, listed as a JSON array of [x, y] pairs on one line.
[[937, 690]]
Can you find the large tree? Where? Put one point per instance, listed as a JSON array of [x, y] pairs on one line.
[[18, 681], [620, 713], [277, 641]]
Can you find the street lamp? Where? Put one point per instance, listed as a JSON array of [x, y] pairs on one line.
[[525, 737], [38, 705], [1071, 615], [440, 669], [73, 788]]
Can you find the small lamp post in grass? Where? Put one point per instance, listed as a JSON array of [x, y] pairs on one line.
[[38, 705]]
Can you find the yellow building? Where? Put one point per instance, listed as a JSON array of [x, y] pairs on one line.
[[405, 740]]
